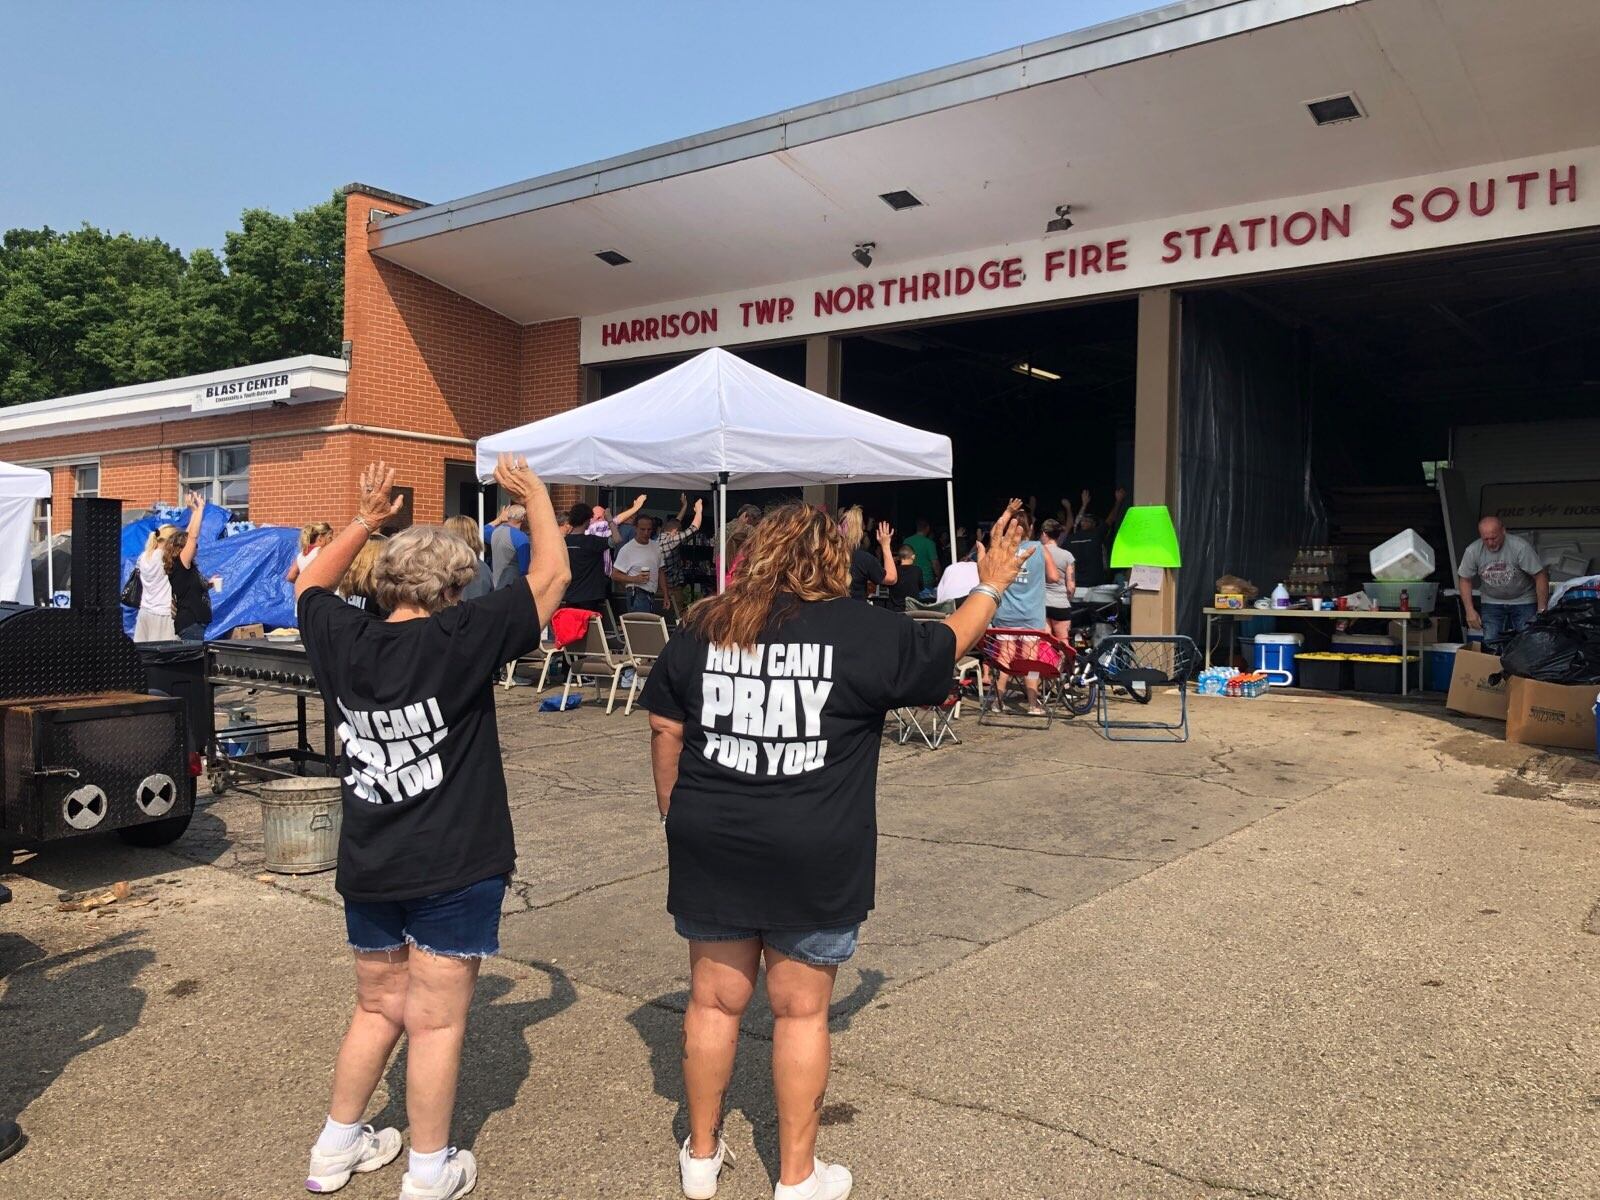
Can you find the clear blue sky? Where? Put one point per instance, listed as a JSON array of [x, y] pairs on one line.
[[168, 119]]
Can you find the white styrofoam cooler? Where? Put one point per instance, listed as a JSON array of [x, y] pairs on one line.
[[1404, 558]]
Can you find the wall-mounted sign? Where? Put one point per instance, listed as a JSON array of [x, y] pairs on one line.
[[1573, 505], [242, 393], [1477, 204]]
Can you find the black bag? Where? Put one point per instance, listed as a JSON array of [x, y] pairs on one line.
[[133, 590], [1561, 645]]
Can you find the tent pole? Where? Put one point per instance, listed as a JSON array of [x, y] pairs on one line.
[[722, 532], [950, 503], [480, 515], [49, 553]]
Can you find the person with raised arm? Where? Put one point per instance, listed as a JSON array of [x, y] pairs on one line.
[[426, 846], [766, 714]]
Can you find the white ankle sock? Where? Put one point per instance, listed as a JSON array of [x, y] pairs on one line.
[[426, 1169], [337, 1136]]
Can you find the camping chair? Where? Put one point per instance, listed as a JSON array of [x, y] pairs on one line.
[[593, 655], [1018, 652], [1136, 665], [967, 668], [539, 657], [644, 637]]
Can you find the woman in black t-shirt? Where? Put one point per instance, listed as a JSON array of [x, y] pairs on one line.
[[865, 567], [766, 713], [425, 848]]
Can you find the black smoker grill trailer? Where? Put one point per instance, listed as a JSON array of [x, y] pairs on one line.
[[84, 748]]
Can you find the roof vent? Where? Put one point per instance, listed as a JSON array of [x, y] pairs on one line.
[[611, 258], [901, 200], [1332, 110]]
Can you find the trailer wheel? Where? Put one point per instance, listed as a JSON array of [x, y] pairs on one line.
[[159, 833]]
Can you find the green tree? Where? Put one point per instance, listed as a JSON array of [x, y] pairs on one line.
[[88, 309]]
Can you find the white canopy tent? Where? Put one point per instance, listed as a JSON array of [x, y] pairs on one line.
[[716, 421], [20, 489]]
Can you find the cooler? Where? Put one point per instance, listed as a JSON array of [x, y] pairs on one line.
[[1439, 665], [1275, 654]]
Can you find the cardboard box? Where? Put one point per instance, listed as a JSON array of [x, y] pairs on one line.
[[1418, 633], [1229, 600], [1551, 714], [1470, 692]]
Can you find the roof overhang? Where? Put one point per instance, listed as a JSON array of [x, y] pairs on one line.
[[1195, 108], [286, 381]]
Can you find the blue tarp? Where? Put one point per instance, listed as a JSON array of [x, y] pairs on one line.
[[251, 566]]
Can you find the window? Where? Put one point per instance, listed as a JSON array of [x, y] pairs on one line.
[[86, 481], [221, 474], [41, 521]]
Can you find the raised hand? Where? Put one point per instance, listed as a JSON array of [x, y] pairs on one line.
[[511, 471], [699, 507], [377, 482], [194, 501], [885, 533], [999, 564]]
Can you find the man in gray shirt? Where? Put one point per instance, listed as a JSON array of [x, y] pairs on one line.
[[503, 562], [1513, 582]]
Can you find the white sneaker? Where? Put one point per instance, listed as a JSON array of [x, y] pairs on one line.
[[373, 1150], [460, 1177], [829, 1181], [699, 1175]]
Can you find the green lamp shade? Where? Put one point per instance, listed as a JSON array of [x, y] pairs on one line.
[[1146, 538]]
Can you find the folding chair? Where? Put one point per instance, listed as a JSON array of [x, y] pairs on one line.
[[1136, 665], [937, 717], [1018, 652], [538, 658], [966, 668], [644, 637], [593, 655]]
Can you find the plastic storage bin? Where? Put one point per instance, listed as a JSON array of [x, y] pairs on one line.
[[1275, 653], [1403, 557], [1420, 596], [1439, 665], [1323, 672], [1380, 673], [1364, 643]]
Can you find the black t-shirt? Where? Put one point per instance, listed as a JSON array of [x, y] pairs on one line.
[[1088, 550], [589, 586], [424, 793], [865, 568], [907, 583], [191, 597], [773, 823]]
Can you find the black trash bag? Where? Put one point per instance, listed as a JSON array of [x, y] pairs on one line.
[[1544, 654], [1561, 645]]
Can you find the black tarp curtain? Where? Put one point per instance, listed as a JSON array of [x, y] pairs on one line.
[[1246, 498]]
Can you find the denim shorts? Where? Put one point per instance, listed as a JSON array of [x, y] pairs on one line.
[[462, 923], [816, 947]]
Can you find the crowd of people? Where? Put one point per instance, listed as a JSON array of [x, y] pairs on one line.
[[766, 710]]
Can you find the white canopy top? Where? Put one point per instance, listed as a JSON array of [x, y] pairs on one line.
[[28, 483], [19, 488], [718, 413]]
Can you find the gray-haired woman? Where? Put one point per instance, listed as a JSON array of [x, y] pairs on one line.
[[426, 845]]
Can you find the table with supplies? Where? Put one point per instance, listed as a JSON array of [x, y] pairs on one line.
[[1305, 614]]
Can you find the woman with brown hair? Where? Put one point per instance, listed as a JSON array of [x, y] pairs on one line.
[[766, 714]]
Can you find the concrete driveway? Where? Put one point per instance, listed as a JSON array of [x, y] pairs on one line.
[[1328, 948]]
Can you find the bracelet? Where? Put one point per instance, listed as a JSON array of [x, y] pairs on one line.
[[362, 521], [984, 589]]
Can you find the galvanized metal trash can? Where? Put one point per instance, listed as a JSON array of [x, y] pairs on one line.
[[300, 819]]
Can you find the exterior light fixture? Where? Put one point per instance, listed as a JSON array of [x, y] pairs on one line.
[[863, 253], [1334, 110], [611, 258], [1062, 221], [900, 200], [1023, 368]]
